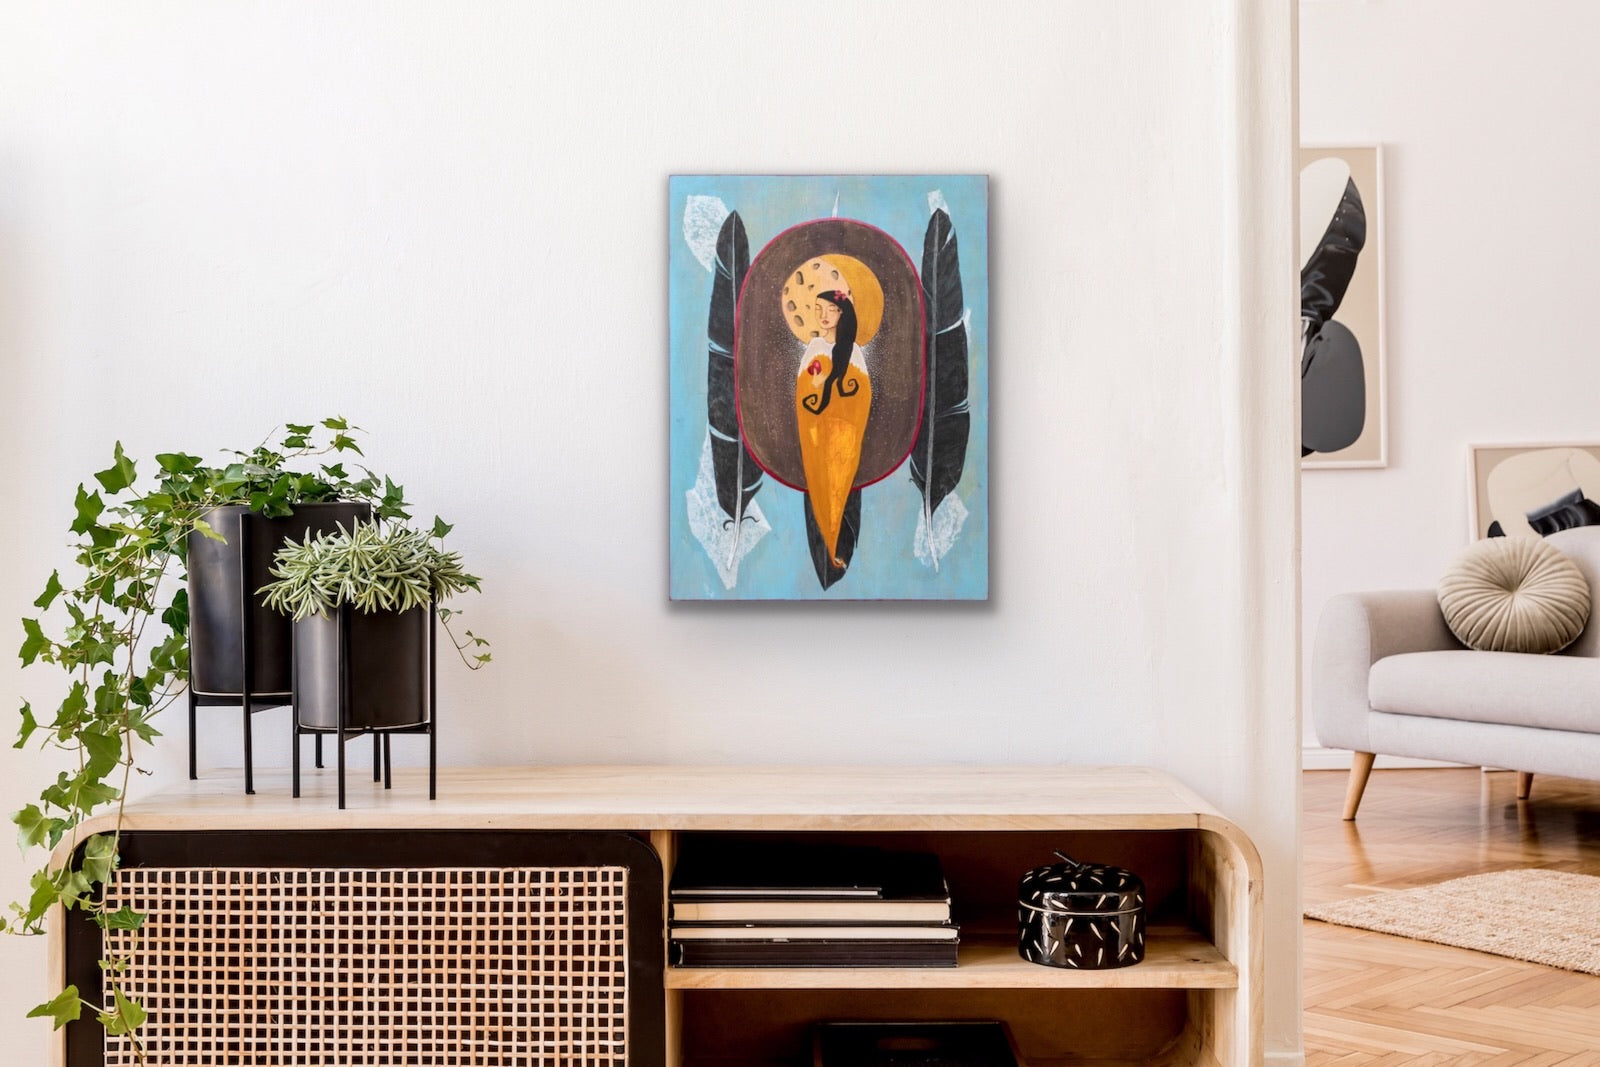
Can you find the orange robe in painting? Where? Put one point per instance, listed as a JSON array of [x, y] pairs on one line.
[[830, 442]]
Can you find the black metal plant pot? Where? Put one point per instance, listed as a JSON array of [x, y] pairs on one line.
[[237, 656], [376, 662], [219, 574], [359, 672]]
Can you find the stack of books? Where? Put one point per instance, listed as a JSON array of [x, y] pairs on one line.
[[797, 905]]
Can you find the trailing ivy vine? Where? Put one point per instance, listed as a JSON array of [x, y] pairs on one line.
[[117, 628]]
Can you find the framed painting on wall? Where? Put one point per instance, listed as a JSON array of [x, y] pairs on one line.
[[1343, 408], [828, 367], [1533, 490]]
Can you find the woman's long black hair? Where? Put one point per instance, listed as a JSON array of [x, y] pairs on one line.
[[844, 343]]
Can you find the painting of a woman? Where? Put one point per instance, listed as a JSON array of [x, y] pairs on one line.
[[829, 387], [833, 397]]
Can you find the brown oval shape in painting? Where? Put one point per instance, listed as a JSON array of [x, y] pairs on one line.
[[767, 349]]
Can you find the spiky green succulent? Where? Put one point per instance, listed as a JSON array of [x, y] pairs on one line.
[[371, 566]]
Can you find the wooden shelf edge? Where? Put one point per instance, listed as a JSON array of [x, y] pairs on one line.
[[1173, 960]]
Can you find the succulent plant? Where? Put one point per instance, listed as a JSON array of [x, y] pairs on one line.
[[372, 566]]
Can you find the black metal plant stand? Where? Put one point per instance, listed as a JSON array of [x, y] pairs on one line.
[[248, 700], [382, 764]]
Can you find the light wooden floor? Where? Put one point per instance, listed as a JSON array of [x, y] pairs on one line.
[[1372, 999]]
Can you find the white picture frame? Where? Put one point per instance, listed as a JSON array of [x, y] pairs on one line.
[[1572, 465]]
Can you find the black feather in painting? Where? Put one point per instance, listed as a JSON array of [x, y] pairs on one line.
[[1327, 273], [738, 476], [849, 529], [940, 452]]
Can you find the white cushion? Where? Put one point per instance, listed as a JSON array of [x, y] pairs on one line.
[[1514, 594]]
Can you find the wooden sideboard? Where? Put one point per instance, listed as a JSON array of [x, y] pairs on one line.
[[1195, 1000]]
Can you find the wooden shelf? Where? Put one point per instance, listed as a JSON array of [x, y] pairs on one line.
[[1174, 959], [775, 798], [1195, 1001]]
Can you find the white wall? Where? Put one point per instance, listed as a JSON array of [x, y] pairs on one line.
[[445, 222], [1489, 210]]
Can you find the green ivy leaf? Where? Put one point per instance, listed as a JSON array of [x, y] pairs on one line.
[[76, 890], [67, 1007], [441, 529], [109, 697], [104, 749], [299, 428], [159, 504], [78, 792], [29, 725], [44, 897], [206, 531], [93, 794], [167, 659], [34, 642], [118, 476], [70, 714], [52, 589], [99, 857], [177, 613], [139, 693], [128, 1017], [140, 725], [336, 423], [124, 918], [33, 827], [88, 506]]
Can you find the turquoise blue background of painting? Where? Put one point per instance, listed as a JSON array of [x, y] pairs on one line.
[[780, 568]]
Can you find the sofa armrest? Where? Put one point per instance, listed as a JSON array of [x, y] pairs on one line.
[[1357, 630]]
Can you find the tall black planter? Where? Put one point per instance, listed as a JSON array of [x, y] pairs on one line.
[[359, 672], [237, 657]]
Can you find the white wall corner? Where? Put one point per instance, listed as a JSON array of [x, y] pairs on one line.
[[1266, 265]]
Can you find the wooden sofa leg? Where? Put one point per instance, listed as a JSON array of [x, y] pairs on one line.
[[1524, 784], [1360, 767]]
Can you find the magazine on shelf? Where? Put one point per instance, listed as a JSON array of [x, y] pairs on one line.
[[755, 872], [907, 932], [812, 953], [877, 910]]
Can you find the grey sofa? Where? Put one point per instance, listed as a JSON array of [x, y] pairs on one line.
[[1389, 678]]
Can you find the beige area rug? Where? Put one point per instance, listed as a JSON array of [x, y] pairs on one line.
[[1548, 917]]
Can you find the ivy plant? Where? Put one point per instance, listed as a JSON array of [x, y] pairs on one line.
[[116, 627]]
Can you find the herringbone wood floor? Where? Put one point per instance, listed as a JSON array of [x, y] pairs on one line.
[[1372, 999]]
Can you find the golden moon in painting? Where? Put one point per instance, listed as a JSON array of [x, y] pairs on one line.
[[834, 271]]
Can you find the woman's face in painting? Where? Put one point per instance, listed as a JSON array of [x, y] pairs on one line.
[[827, 313]]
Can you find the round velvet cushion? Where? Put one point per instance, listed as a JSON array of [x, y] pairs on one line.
[[1514, 594]]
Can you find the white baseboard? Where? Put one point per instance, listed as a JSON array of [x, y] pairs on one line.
[[1284, 1059], [1317, 758]]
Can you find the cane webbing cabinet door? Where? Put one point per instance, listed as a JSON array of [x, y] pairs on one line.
[[469, 948]]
